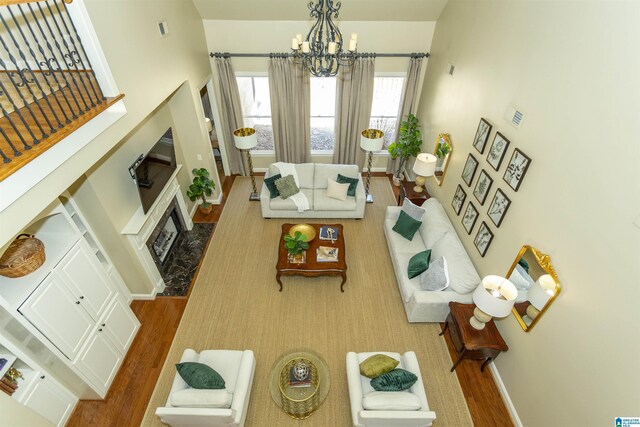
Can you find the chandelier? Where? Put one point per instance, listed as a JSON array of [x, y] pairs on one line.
[[322, 51]]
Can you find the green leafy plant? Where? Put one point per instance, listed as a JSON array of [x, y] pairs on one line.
[[443, 149], [408, 143], [201, 187], [296, 244]]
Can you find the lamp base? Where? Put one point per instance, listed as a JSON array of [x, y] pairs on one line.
[[420, 181], [254, 197], [369, 198], [479, 319]]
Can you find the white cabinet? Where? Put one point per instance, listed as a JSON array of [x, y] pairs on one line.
[[51, 400], [120, 325], [59, 315], [100, 360]]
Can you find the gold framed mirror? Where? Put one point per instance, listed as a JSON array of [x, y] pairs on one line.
[[443, 151], [535, 278]]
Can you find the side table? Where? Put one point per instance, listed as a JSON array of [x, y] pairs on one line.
[[406, 190], [469, 342]]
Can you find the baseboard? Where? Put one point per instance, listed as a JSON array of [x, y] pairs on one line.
[[505, 395], [150, 296]]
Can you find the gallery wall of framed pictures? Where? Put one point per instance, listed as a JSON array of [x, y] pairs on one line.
[[498, 205]]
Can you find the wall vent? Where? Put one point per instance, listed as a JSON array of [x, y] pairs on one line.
[[164, 28], [515, 117]]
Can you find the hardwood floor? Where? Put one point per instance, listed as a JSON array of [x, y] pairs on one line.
[[132, 388]]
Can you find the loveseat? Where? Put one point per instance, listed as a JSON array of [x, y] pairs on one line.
[[313, 179], [435, 233]]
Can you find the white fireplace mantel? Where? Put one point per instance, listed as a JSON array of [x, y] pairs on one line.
[[141, 225]]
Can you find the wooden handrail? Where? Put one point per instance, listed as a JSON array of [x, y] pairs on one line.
[[10, 2]]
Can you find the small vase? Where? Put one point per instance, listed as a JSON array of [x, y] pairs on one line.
[[206, 210], [298, 258], [397, 180]]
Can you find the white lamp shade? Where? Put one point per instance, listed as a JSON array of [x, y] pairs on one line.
[[495, 296], [245, 138], [425, 164], [208, 124], [541, 291], [371, 139]]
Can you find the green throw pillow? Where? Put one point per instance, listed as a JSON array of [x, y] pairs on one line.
[[271, 185], [199, 375], [419, 263], [376, 365], [406, 226], [353, 183], [287, 186], [396, 380]]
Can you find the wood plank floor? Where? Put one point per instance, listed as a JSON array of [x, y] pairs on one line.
[[132, 388]]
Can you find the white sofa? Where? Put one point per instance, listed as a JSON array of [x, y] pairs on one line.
[[313, 183], [236, 368], [436, 233], [360, 387]]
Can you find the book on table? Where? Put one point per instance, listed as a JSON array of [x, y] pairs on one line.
[[294, 382], [328, 233], [326, 254]]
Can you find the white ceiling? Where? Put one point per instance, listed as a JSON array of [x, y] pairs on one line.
[[296, 10]]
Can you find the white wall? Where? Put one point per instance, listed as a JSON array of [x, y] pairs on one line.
[[275, 36], [572, 68]]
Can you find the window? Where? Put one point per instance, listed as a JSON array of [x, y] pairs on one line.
[[387, 94], [256, 108], [323, 113]]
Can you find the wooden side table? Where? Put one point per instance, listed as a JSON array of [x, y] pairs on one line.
[[406, 190], [469, 342]]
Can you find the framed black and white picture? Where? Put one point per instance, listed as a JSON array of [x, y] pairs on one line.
[[482, 187], [483, 238], [458, 199], [482, 135], [498, 150], [517, 168], [498, 207], [469, 170], [469, 218]]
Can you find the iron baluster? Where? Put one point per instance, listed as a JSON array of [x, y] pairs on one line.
[[26, 104], [57, 44], [5, 159], [75, 31], [49, 67], [16, 153], [73, 62], [35, 59], [55, 60]]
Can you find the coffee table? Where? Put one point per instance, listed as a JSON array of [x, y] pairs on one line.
[[313, 268], [299, 402]]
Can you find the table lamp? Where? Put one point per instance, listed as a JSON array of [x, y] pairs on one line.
[[539, 294], [424, 166], [245, 139], [370, 140], [494, 297]]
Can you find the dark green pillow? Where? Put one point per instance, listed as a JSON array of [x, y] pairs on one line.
[[396, 380], [271, 185], [353, 183], [419, 263], [199, 375], [406, 226]]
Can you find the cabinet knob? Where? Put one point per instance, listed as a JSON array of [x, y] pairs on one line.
[[104, 324], [42, 377], [77, 302], [100, 330], [81, 297]]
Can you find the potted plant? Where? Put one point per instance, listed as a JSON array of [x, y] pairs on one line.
[[444, 147], [296, 245], [407, 145], [201, 187]]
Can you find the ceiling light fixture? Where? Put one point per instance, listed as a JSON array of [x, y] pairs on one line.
[[322, 51]]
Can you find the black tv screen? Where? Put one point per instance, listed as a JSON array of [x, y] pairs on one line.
[[152, 172]]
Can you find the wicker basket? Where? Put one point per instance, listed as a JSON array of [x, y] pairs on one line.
[[23, 256]]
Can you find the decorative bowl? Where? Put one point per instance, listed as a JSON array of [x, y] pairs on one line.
[[305, 229]]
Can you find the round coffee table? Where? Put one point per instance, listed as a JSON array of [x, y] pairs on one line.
[[299, 402]]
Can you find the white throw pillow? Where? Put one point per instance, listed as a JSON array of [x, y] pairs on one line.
[[413, 210], [436, 277], [520, 278], [463, 277], [391, 401], [201, 398], [336, 191]]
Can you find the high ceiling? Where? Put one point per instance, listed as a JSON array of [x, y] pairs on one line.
[[296, 10]]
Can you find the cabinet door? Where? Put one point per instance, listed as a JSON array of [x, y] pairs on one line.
[[99, 361], [87, 279], [58, 315], [51, 400], [120, 325]]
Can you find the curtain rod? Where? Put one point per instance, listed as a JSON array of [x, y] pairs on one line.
[[284, 55]]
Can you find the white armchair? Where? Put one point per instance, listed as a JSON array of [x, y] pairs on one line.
[[201, 407], [392, 413]]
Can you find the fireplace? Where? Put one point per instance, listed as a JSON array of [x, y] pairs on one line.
[[163, 238]]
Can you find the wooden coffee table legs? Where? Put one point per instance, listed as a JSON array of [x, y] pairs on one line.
[[342, 274]]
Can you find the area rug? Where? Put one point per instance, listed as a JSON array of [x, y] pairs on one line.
[[235, 304]]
